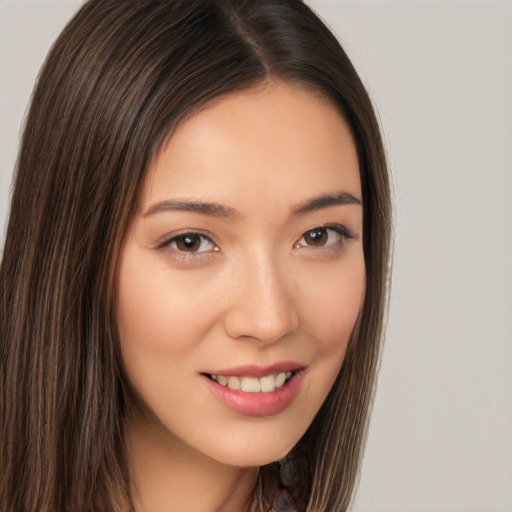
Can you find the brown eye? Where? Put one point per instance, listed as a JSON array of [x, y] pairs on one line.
[[324, 237], [317, 237], [193, 243], [188, 243]]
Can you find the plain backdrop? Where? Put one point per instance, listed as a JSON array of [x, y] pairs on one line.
[[440, 74]]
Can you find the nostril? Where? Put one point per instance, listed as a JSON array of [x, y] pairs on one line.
[[261, 323]]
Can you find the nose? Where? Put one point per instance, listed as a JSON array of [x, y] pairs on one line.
[[263, 306]]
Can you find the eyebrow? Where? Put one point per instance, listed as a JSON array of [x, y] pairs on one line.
[[212, 209], [219, 210], [325, 201]]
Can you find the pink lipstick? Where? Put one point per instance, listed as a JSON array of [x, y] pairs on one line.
[[256, 390]]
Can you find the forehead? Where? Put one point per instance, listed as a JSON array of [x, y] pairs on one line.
[[277, 142]]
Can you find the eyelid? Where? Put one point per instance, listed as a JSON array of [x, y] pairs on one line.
[[343, 231], [165, 241]]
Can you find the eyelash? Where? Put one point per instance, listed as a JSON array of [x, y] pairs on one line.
[[341, 232], [185, 255]]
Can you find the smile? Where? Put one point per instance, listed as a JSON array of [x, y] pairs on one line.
[[265, 384], [256, 390]]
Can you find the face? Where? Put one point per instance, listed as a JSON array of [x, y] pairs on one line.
[[242, 274]]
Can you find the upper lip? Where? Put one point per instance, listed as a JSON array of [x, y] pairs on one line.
[[255, 370]]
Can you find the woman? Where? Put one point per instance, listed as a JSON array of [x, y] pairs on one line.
[[195, 265]]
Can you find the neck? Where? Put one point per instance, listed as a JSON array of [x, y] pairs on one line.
[[170, 476]]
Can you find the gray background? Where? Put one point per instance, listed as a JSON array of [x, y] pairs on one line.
[[441, 74]]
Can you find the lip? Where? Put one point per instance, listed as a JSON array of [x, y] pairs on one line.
[[257, 404], [258, 370]]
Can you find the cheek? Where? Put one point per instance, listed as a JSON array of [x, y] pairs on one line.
[[158, 328], [155, 312], [332, 300], [331, 306]]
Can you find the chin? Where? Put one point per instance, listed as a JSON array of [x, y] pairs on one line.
[[254, 452]]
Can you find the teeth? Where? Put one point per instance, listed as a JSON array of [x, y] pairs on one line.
[[250, 385], [265, 384], [234, 383], [268, 384], [280, 380]]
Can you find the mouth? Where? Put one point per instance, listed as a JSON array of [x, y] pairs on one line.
[[252, 384], [256, 390]]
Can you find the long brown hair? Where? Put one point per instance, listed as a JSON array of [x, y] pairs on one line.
[[118, 80]]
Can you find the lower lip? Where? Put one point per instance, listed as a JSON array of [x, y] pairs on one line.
[[257, 404]]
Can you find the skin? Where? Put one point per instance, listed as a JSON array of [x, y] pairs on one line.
[[258, 288]]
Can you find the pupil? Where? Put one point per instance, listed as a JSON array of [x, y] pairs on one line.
[[188, 243], [316, 237]]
